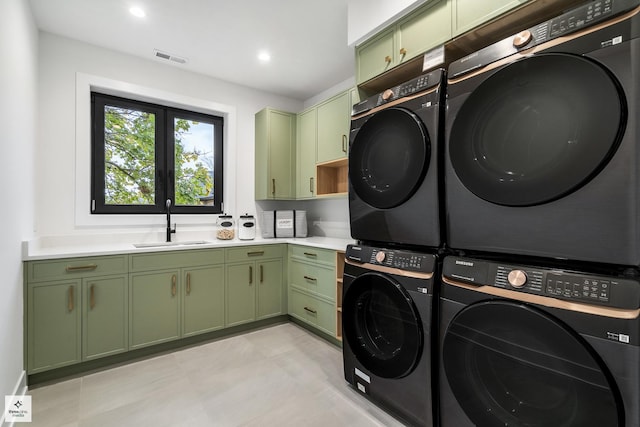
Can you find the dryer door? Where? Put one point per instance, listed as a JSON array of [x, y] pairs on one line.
[[382, 325], [511, 364], [389, 157], [537, 129]]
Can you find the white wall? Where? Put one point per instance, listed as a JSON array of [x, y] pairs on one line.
[[18, 121], [367, 17], [62, 62]]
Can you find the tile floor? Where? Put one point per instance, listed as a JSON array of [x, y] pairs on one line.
[[276, 376]]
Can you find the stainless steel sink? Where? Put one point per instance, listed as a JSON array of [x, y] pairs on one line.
[[165, 244]]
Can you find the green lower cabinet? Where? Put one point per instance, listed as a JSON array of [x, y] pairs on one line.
[[317, 312], [154, 307], [105, 316], [254, 291], [202, 300], [269, 286], [53, 325]]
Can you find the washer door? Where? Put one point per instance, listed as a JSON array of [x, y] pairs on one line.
[[537, 130], [389, 158], [382, 326], [512, 364]]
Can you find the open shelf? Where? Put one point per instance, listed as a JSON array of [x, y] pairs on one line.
[[332, 177]]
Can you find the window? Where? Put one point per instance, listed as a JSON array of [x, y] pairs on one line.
[[145, 154]]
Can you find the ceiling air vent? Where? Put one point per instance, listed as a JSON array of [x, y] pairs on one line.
[[169, 57]]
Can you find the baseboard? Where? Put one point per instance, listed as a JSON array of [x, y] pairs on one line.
[[19, 390]]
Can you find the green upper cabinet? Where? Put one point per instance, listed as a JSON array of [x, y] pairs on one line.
[[468, 14], [306, 154], [424, 29], [334, 116], [375, 56], [274, 154]]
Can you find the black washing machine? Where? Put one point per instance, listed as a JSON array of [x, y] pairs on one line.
[[542, 130], [537, 346], [393, 164], [387, 310]]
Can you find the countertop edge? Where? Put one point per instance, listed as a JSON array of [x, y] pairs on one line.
[[32, 252]]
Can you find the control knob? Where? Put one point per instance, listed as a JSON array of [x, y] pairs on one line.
[[380, 256], [387, 94], [517, 278], [522, 39]]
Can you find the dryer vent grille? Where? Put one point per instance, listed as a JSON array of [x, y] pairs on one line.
[[169, 57]]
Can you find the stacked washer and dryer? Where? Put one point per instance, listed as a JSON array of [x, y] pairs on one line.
[[497, 276], [388, 305], [540, 301]]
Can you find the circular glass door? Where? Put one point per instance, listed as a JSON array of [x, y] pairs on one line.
[[382, 326], [511, 364], [389, 158], [537, 129]]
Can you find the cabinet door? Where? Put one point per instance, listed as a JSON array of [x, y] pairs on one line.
[[105, 316], [333, 128], [375, 56], [306, 152], [468, 14], [241, 293], [53, 325], [428, 28], [269, 284], [154, 308], [281, 152], [203, 300]]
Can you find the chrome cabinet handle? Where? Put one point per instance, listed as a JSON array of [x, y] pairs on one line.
[[173, 285], [81, 267]]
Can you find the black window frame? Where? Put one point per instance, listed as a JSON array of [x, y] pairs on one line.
[[164, 157]]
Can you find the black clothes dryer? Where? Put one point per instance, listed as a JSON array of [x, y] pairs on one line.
[[393, 164], [387, 316], [542, 130], [529, 346]]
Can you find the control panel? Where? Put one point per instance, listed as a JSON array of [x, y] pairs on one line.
[[413, 86], [619, 292], [583, 16], [393, 258]]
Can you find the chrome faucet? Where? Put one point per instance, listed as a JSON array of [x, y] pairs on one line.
[[169, 229]]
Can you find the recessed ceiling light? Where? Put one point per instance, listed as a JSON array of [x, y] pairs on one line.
[[264, 56], [137, 11]]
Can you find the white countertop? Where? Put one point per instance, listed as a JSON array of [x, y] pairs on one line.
[[36, 250]]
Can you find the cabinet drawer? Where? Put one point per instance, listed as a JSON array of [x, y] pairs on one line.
[[254, 253], [313, 311], [176, 259], [314, 278], [76, 267], [323, 256]]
